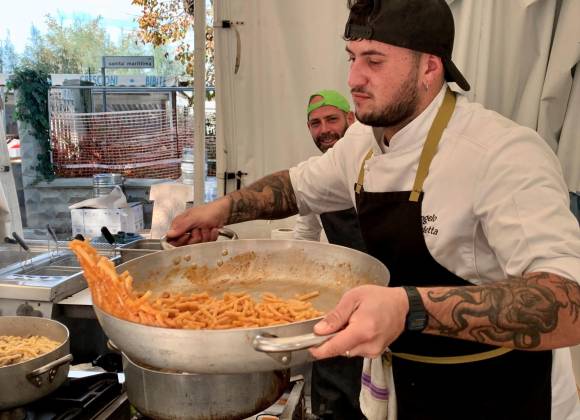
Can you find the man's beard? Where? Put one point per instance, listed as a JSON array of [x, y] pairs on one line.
[[325, 137], [403, 107]]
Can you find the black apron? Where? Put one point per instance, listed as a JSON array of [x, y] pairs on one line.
[[342, 228], [336, 382], [513, 386]]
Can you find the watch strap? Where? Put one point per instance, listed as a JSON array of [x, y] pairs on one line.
[[417, 317]]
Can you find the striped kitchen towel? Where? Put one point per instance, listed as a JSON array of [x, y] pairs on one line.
[[377, 395]]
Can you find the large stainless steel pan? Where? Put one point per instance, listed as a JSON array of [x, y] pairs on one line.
[[283, 267], [28, 381]]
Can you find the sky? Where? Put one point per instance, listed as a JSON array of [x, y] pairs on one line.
[[18, 16]]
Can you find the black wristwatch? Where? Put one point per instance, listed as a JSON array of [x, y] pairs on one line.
[[417, 317]]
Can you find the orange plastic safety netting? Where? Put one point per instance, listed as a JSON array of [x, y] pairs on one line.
[[138, 144]]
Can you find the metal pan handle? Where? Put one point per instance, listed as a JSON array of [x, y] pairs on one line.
[[225, 232], [228, 233], [111, 346], [108, 235], [52, 233], [35, 377], [271, 344], [20, 241]]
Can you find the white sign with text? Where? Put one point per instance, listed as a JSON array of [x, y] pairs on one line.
[[128, 62]]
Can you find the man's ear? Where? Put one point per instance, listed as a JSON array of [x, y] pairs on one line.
[[350, 117], [433, 71]]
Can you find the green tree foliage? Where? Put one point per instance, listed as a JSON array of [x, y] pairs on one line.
[[33, 54], [171, 22], [78, 47], [8, 56], [32, 108]]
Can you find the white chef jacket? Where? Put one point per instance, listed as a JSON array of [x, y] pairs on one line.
[[495, 203], [308, 227]]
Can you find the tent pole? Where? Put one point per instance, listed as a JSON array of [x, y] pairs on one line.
[[199, 102]]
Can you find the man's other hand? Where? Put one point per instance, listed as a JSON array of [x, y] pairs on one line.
[[199, 224]]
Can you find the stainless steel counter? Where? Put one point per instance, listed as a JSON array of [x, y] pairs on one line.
[[32, 281]]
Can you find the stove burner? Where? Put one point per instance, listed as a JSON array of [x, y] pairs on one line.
[[78, 398]]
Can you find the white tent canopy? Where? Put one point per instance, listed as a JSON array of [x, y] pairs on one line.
[[519, 57], [289, 49]]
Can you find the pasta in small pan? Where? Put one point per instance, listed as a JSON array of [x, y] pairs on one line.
[[114, 294], [16, 349]]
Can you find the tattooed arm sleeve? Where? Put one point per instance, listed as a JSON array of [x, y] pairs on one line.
[[271, 197], [537, 312]]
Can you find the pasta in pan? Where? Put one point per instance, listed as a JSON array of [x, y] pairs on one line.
[[114, 294], [16, 349]]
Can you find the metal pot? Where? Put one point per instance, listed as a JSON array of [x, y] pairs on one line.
[[176, 395], [103, 184], [28, 381], [283, 267]]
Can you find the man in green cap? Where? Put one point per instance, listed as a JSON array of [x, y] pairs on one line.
[[329, 116], [336, 381]]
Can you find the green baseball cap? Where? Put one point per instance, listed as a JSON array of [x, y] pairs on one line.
[[329, 97]]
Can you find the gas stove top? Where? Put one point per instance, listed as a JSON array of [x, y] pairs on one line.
[[101, 397], [95, 397]]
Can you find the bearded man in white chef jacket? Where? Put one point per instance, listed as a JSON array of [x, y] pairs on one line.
[[467, 209]]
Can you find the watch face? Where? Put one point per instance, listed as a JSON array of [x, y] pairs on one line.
[[417, 322]]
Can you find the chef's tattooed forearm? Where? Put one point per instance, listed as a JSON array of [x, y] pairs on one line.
[[519, 313], [271, 197]]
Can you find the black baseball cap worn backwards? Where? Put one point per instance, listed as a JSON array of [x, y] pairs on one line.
[[421, 25]]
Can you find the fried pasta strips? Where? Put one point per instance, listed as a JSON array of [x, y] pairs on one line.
[[114, 294]]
